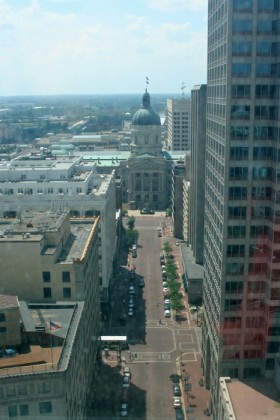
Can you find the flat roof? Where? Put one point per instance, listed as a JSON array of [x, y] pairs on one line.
[[193, 270], [57, 319], [254, 399]]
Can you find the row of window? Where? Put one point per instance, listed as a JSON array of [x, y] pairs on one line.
[[261, 112], [257, 193], [66, 292], [23, 409], [240, 132], [260, 70], [46, 276], [263, 48], [243, 91], [31, 191]]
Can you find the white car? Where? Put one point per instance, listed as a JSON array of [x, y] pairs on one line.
[[177, 403], [165, 289], [164, 284], [131, 300], [131, 305], [166, 300], [126, 372], [167, 313], [124, 410], [130, 312]]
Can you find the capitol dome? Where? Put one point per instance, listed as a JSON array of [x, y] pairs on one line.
[[146, 115]]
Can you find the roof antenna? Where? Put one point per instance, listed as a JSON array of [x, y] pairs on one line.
[[183, 89]]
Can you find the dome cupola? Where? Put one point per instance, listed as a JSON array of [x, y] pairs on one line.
[[146, 115]]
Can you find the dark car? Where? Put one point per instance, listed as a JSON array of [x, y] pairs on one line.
[[177, 390], [167, 306], [180, 414]]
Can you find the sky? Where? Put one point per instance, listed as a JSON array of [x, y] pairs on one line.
[[50, 47]]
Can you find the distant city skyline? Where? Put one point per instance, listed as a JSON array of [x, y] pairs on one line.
[[58, 47]]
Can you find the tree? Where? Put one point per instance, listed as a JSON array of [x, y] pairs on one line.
[[130, 222], [167, 247], [131, 236]]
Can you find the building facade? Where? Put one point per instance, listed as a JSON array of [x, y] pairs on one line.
[[147, 172], [63, 184], [178, 121], [197, 176], [242, 231]]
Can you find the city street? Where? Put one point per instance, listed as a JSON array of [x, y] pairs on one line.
[[158, 346]]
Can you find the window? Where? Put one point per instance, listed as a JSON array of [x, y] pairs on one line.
[[24, 410], [66, 292], [267, 26], [242, 6], [268, 5], [237, 193], [240, 91], [236, 231], [240, 111], [241, 69], [267, 91], [12, 411], [44, 387], [46, 276], [50, 190], [238, 153], [45, 407], [3, 330], [11, 391], [234, 287], [238, 212], [234, 269], [239, 132], [267, 70], [22, 389], [241, 48], [266, 48], [66, 276], [266, 112], [235, 250], [263, 133], [242, 26], [2, 317], [238, 173], [47, 292]]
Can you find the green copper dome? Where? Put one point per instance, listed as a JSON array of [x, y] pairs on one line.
[[146, 115]]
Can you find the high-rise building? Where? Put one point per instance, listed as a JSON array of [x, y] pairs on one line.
[[197, 173], [178, 124], [242, 197]]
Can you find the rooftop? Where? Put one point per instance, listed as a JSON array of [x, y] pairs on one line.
[[8, 302], [60, 321], [254, 399]]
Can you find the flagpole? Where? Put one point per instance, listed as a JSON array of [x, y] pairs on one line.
[[51, 343]]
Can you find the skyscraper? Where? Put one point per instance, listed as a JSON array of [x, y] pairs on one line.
[[178, 124], [242, 196]]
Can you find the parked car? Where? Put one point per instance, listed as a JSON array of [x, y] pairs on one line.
[[167, 306], [126, 382], [141, 282], [124, 395], [166, 299], [177, 391], [164, 284], [124, 410], [130, 312], [165, 289], [180, 414], [177, 403], [131, 289], [131, 305], [127, 372], [167, 313]]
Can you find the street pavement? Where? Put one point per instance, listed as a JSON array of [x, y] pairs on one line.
[[158, 347]]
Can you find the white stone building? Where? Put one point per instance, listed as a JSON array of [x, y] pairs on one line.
[[37, 183]]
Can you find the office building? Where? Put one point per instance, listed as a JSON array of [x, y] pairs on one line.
[[49, 314], [35, 182], [178, 121], [240, 335], [197, 173]]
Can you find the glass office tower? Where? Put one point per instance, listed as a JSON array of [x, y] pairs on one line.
[[242, 192]]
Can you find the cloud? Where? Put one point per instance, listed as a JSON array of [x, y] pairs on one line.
[[177, 5], [44, 51]]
